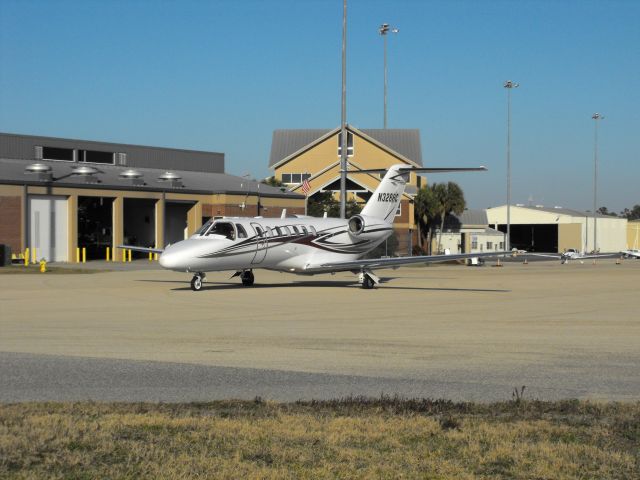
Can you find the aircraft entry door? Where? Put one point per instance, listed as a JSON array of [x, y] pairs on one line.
[[261, 245]]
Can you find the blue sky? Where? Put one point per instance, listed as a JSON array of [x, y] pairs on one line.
[[222, 75]]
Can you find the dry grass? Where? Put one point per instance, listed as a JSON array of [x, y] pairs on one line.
[[350, 438]]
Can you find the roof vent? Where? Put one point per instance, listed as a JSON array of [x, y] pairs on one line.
[[539, 206], [519, 204], [133, 176], [557, 206], [42, 171], [86, 172], [172, 178]]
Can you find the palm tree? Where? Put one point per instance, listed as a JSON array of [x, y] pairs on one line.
[[449, 198], [425, 212], [437, 201]]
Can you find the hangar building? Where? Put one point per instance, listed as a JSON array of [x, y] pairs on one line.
[[59, 194], [556, 229]]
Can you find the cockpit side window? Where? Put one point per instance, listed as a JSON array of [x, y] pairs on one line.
[[312, 230], [225, 229], [242, 233], [275, 232]]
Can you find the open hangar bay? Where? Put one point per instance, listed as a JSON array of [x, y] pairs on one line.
[[564, 331]]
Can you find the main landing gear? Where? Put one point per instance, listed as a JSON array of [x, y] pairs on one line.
[[247, 278], [368, 280], [196, 281]]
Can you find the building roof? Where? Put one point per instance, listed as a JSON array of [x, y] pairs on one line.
[[286, 143], [25, 147], [12, 172], [468, 218], [561, 211]]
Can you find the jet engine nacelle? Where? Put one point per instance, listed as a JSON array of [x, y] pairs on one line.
[[356, 225], [359, 224]]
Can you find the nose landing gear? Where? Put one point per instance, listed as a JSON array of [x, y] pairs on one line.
[[196, 281]]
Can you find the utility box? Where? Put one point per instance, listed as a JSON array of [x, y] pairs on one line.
[[5, 255]]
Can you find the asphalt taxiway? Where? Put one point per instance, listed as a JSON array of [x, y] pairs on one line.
[[447, 331]]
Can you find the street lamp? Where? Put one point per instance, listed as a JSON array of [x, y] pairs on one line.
[[509, 85], [343, 120], [596, 117], [384, 30]]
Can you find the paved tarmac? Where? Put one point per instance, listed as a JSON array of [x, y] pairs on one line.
[[465, 333]]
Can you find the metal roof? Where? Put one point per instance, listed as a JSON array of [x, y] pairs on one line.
[[12, 172], [25, 147], [405, 142], [562, 211], [468, 218]]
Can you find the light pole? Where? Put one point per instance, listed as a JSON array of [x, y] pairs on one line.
[[343, 122], [383, 30], [596, 117], [509, 85]]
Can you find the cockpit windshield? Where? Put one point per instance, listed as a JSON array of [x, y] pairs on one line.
[[226, 229], [205, 227]]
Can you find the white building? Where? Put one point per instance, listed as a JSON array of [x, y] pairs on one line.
[[556, 229], [469, 233]]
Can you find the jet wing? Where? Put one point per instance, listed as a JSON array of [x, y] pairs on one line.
[[380, 263], [140, 249]]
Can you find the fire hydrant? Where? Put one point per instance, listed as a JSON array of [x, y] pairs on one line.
[[43, 265]]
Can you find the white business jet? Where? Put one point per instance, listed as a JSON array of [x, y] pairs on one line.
[[572, 254], [631, 253], [301, 244]]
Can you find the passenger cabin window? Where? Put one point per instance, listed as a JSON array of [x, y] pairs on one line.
[[225, 229], [312, 229], [242, 233], [285, 231], [304, 230], [295, 230], [275, 232]]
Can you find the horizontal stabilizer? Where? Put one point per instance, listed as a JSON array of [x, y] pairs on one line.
[[422, 170]]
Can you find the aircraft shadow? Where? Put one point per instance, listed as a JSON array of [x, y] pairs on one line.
[[319, 283], [331, 284]]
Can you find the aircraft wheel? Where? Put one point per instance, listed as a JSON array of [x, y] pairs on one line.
[[196, 283], [367, 282], [247, 278]]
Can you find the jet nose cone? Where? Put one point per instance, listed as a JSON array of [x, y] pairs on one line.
[[169, 258], [165, 260]]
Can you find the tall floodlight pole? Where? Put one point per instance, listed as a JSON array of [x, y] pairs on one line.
[[343, 123], [383, 30], [596, 117], [509, 85]]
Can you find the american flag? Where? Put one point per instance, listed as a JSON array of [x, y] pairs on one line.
[[306, 186]]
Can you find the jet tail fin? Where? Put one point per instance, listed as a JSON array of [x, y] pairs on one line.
[[385, 201]]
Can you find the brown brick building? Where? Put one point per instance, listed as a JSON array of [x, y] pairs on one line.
[[59, 194]]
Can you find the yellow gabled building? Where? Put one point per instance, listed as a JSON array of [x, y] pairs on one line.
[[314, 154]]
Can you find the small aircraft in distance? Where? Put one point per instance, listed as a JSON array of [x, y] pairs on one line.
[[631, 253], [573, 254], [301, 244]]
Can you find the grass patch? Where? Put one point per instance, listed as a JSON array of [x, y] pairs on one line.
[[51, 270], [347, 438]]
